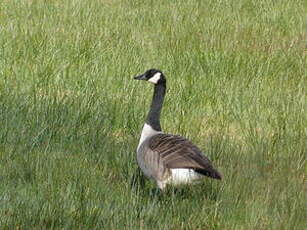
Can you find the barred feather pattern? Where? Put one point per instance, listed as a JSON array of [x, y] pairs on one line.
[[162, 152]]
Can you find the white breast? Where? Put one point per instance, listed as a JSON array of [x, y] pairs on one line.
[[147, 132], [184, 176]]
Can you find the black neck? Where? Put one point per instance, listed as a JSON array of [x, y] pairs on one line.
[[153, 117]]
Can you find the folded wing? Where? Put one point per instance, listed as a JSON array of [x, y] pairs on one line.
[[174, 151]]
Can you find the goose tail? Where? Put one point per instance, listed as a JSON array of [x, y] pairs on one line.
[[211, 172]]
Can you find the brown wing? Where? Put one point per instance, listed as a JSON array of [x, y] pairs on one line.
[[179, 152]]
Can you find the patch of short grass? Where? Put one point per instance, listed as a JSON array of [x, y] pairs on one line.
[[70, 113]]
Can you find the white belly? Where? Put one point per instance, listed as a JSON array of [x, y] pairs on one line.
[[184, 176]]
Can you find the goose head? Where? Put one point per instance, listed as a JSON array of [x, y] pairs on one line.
[[152, 75]]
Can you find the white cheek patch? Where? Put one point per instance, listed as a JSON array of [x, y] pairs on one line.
[[155, 78]]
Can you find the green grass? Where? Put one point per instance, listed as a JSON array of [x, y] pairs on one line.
[[71, 115]]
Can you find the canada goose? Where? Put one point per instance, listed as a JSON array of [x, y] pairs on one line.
[[167, 158]]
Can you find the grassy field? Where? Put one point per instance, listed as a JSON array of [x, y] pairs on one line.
[[71, 115]]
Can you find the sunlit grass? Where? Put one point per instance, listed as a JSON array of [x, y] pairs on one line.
[[71, 115]]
